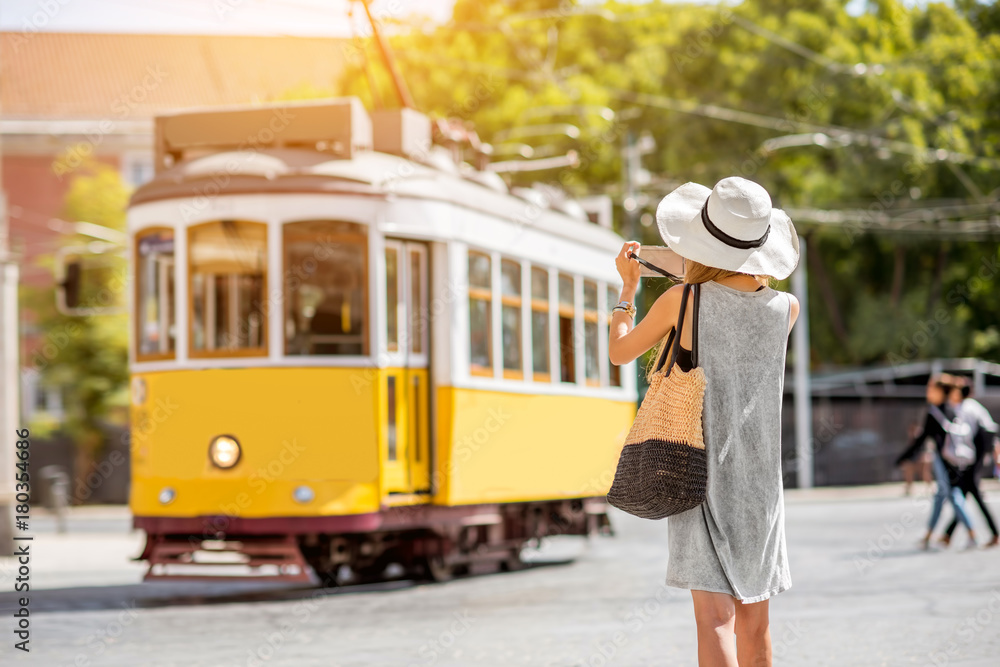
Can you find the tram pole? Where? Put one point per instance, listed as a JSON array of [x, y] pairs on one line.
[[405, 99]]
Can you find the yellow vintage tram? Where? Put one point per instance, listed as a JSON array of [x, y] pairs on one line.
[[350, 348]]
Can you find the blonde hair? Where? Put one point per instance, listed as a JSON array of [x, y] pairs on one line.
[[694, 272], [697, 273]]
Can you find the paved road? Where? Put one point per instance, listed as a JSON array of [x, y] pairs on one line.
[[862, 594]]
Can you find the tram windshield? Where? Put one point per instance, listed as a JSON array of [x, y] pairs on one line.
[[228, 261], [326, 296]]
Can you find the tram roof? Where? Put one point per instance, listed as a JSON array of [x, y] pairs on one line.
[[367, 173]]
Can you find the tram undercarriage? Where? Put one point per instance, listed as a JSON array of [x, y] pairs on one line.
[[426, 542]]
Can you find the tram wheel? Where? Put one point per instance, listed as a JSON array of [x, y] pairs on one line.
[[436, 569], [369, 574], [333, 577]]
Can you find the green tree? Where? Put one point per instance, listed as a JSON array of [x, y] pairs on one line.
[[86, 357], [857, 99]]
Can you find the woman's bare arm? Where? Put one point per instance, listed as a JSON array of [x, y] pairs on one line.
[[627, 342], [794, 312]]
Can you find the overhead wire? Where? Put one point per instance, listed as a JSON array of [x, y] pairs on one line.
[[747, 118], [716, 112], [853, 136], [862, 69]]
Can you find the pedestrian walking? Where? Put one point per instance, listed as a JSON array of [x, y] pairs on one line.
[[985, 428], [950, 455], [919, 462], [730, 550], [996, 458]]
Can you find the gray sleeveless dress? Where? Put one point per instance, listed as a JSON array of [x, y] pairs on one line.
[[734, 542]]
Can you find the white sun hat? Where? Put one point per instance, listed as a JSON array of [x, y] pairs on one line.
[[732, 226]]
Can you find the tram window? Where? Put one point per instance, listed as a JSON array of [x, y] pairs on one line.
[[592, 372], [228, 269], [540, 323], [155, 294], [416, 419], [480, 321], [392, 298], [510, 317], [567, 351], [390, 427], [326, 295], [615, 374], [418, 314]]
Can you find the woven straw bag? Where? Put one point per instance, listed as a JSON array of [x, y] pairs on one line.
[[663, 468]]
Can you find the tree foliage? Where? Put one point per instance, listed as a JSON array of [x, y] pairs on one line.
[[924, 77], [86, 357]]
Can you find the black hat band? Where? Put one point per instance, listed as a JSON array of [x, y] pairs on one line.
[[726, 238]]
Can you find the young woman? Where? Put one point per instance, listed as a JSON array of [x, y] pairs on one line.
[[730, 551], [985, 428]]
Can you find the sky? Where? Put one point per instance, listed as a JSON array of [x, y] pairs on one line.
[[307, 18], [320, 18]]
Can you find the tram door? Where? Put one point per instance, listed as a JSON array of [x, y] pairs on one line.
[[405, 392]]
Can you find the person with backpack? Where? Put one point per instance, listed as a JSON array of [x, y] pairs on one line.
[[954, 452], [985, 429]]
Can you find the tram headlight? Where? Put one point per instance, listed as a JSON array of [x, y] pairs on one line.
[[303, 494], [167, 495], [224, 452]]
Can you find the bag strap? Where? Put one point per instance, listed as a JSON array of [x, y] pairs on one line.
[[675, 348], [940, 417], [673, 338], [665, 350], [694, 325]]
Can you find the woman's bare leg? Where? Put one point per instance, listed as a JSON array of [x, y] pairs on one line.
[[715, 615], [753, 635]]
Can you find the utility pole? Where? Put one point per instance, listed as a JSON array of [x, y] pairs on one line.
[[634, 177], [10, 380], [803, 392]]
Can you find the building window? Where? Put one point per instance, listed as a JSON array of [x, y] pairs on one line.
[[510, 317], [137, 169], [228, 280], [326, 288], [567, 351], [614, 372], [540, 324], [591, 367], [155, 294], [480, 321]]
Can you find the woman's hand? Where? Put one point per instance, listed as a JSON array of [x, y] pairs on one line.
[[628, 268]]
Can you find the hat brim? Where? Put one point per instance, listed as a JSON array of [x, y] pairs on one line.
[[678, 219]]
